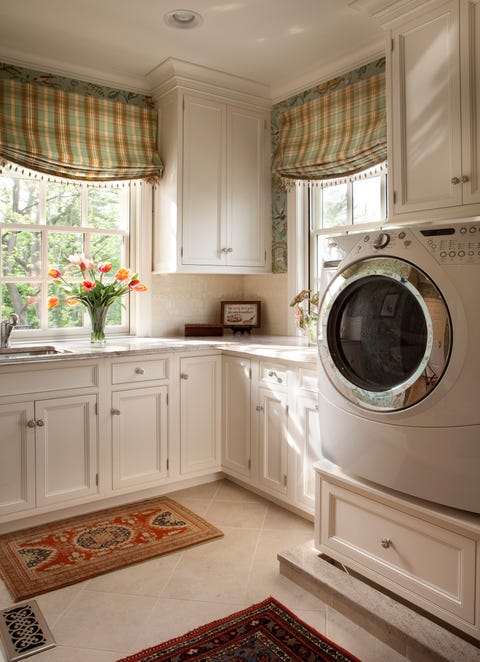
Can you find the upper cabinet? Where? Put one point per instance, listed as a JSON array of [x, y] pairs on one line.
[[212, 206], [434, 142]]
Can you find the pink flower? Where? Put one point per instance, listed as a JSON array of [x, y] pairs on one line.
[[84, 263], [88, 285], [104, 267]]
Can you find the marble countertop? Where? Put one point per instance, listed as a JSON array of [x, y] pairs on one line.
[[285, 348]]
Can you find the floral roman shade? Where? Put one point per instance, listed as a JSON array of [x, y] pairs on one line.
[[336, 135], [77, 136]]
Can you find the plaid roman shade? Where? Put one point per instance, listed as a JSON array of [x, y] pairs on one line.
[[76, 136], [336, 135]]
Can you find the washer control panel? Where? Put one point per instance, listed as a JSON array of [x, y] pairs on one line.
[[457, 243], [454, 244]]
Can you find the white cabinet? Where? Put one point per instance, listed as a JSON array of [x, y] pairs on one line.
[[272, 439], [419, 552], [139, 436], [434, 143], [200, 412], [213, 201], [139, 421], [49, 452], [236, 416], [307, 441]]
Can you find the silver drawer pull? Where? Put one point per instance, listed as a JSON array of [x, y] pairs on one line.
[[259, 408], [116, 412], [139, 371], [386, 543], [272, 373]]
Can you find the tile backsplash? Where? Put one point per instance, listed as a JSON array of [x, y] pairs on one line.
[[179, 299]]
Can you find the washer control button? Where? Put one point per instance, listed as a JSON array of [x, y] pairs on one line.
[[461, 253], [451, 253], [382, 240]]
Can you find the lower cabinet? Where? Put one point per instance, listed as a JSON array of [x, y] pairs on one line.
[[200, 413], [271, 432], [139, 436], [272, 439], [49, 452]]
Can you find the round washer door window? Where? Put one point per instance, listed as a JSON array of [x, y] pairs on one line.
[[384, 334]]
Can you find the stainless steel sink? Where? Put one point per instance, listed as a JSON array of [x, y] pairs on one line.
[[26, 351]]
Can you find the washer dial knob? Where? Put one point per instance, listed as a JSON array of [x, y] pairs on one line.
[[382, 240]]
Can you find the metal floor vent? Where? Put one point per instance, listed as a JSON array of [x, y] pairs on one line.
[[24, 631]]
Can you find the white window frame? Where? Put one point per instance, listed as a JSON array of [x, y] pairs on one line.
[[139, 251]]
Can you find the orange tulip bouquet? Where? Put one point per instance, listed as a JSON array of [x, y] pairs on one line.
[[93, 292]]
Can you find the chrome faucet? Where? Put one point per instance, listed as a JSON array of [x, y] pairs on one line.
[[6, 329]]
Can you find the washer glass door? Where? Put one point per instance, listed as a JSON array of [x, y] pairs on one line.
[[384, 334]]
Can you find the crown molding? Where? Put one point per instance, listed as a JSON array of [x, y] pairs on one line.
[[116, 80], [173, 73], [387, 11], [330, 69]]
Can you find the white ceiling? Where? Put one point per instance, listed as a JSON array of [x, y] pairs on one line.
[[284, 44]]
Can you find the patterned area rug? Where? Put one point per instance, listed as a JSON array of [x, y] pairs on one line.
[[50, 556], [265, 632]]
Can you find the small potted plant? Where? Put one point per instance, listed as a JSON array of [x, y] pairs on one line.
[[305, 305]]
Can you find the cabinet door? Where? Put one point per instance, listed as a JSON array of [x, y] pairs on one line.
[[66, 446], [17, 452], [236, 380], [425, 111], [470, 57], [247, 184], [308, 443], [200, 410], [139, 436], [272, 435], [204, 168]]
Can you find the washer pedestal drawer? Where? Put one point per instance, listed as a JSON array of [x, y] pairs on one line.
[[423, 554]]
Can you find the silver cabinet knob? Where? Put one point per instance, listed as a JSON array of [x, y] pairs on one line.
[[31, 424], [40, 423], [224, 250], [259, 408], [139, 371], [455, 181], [183, 375], [386, 543], [229, 250], [464, 179], [116, 412]]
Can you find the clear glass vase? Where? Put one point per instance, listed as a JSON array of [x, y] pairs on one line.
[[98, 318]]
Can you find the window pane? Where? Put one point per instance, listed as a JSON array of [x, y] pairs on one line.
[[19, 200], [367, 200], [21, 253], [116, 312], [24, 300], [60, 246], [334, 205], [63, 204], [107, 208], [108, 248], [63, 316]]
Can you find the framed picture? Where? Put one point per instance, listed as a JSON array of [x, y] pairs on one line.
[[240, 315], [389, 305]]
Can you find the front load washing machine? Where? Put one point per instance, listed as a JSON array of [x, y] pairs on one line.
[[399, 369]]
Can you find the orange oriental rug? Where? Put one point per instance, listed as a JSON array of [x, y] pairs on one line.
[[50, 556]]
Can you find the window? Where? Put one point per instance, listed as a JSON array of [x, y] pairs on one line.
[[334, 206], [42, 222]]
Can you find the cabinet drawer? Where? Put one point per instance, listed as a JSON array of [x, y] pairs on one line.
[[139, 370], [425, 559], [27, 379], [273, 373]]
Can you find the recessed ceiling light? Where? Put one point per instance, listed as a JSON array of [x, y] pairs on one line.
[[185, 19]]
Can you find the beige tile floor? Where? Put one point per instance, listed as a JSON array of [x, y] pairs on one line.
[[122, 612]]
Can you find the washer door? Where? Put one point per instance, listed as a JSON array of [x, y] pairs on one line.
[[384, 334]]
